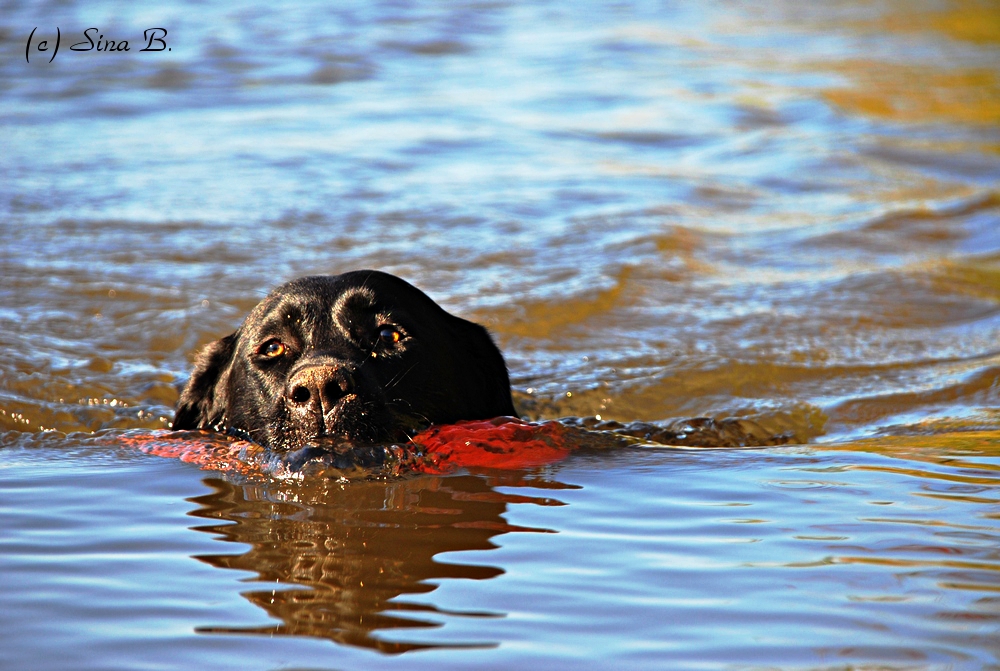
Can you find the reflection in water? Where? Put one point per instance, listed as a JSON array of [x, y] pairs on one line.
[[353, 549], [965, 94]]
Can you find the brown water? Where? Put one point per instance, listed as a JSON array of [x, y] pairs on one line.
[[789, 213]]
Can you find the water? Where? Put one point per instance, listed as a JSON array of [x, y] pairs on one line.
[[788, 213]]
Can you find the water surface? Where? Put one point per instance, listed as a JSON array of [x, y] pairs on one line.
[[784, 213]]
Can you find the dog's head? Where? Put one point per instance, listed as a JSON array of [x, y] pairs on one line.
[[360, 357]]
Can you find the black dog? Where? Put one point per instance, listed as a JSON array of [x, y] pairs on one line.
[[362, 357]]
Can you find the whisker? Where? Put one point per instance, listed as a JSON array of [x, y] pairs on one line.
[[399, 378]]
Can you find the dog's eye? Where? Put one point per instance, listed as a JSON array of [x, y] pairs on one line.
[[272, 349], [389, 335]]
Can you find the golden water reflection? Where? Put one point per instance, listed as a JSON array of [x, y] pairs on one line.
[[344, 562], [923, 92], [918, 93]]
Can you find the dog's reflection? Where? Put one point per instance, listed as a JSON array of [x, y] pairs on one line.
[[352, 552]]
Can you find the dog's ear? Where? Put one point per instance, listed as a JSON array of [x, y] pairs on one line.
[[202, 404], [486, 382]]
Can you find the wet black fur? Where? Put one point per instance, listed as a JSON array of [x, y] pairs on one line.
[[442, 369]]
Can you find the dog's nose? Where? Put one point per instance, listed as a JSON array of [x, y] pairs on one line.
[[316, 389]]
